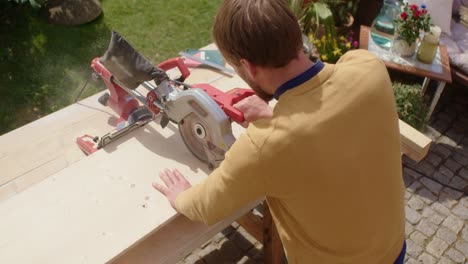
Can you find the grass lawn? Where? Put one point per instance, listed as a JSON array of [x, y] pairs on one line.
[[43, 67]]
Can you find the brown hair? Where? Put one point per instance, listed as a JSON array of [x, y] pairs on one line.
[[264, 32]]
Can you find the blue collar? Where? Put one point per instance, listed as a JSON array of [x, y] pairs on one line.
[[298, 80]]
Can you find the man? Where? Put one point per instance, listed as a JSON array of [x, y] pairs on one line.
[[327, 157]]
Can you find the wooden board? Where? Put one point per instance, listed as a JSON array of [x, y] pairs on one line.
[[174, 241], [103, 202], [33, 152], [414, 144]]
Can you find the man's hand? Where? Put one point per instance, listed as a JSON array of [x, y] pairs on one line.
[[253, 108], [175, 184]]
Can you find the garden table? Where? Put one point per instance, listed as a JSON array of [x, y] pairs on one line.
[[438, 71]]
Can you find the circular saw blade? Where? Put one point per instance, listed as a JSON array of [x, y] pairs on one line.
[[195, 134]]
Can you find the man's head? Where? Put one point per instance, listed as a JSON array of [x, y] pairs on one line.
[[262, 33]]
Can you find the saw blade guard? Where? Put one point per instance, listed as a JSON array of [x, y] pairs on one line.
[[202, 123]]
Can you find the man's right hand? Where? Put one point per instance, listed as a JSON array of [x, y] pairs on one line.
[[253, 109]]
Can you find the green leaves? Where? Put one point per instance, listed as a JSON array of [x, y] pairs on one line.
[[322, 10], [311, 14], [411, 105]]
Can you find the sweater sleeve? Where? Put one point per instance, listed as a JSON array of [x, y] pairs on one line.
[[236, 182]]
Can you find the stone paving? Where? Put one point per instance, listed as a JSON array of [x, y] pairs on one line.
[[436, 194], [436, 198]]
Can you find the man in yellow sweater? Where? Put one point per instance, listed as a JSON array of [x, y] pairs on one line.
[[327, 157]]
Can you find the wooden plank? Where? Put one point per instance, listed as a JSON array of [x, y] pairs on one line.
[[39, 174], [96, 197], [7, 191], [76, 210], [48, 126], [103, 202], [444, 76], [52, 137], [414, 144], [175, 240]]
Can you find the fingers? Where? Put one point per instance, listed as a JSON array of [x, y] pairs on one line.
[[173, 180], [171, 177], [161, 188], [242, 105], [166, 177], [179, 176]]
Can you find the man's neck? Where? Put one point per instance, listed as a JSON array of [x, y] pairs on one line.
[[275, 77]]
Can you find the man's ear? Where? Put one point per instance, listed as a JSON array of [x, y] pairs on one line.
[[249, 67]]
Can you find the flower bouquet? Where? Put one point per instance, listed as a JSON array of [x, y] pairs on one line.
[[410, 23]]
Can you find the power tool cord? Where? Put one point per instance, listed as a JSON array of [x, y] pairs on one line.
[[82, 89]]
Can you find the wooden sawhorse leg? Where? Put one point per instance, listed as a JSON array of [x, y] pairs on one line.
[[265, 231], [273, 251]]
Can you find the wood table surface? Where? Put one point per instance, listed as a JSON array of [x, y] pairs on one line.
[[59, 206]]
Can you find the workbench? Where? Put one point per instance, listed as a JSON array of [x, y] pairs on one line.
[[59, 206]]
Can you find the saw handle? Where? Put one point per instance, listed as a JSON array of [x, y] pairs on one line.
[[235, 95], [176, 62], [226, 100]]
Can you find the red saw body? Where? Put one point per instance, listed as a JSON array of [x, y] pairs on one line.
[[167, 98]]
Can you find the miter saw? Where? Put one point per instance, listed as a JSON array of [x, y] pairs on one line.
[[202, 112]]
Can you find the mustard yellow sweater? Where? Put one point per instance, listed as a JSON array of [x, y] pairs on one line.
[[328, 163]]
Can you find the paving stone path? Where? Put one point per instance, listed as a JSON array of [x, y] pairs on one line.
[[436, 199]]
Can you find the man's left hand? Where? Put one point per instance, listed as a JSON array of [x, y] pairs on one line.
[[175, 183]]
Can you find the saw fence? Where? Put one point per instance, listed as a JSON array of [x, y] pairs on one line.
[[59, 206]]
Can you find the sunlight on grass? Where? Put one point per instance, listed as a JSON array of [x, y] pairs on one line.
[[43, 66]]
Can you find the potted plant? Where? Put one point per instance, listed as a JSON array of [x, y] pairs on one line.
[[331, 48], [411, 21], [320, 28]]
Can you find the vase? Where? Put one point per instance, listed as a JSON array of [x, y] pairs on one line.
[[402, 48], [428, 48], [383, 26], [427, 51]]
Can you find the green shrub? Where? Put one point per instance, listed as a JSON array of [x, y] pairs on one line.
[[411, 106]]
